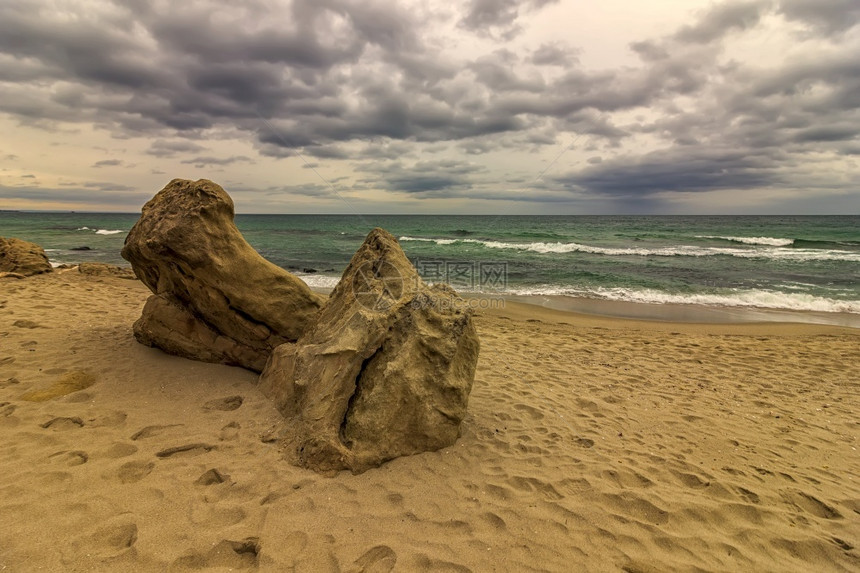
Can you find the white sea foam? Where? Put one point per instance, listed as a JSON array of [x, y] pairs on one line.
[[101, 231], [438, 241], [319, 281], [676, 251], [752, 298], [770, 241]]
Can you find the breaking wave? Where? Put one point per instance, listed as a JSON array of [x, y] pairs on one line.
[[674, 251]]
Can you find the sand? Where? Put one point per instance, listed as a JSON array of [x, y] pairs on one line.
[[592, 444]]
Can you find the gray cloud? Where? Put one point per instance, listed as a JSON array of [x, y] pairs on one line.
[[555, 54], [201, 162], [372, 85], [107, 163], [673, 170], [308, 190], [498, 17], [723, 18], [115, 195], [423, 177], [162, 148], [827, 16]]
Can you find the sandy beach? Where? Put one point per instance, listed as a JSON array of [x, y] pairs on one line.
[[591, 444]]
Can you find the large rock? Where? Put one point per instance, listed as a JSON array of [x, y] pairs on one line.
[[215, 298], [385, 372], [23, 258]]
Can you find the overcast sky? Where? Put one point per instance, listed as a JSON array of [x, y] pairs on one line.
[[479, 106]]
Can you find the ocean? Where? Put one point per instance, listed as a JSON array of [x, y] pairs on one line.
[[777, 264]]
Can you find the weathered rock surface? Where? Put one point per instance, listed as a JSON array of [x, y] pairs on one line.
[[171, 327], [386, 370], [215, 298], [105, 270], [22, 258]]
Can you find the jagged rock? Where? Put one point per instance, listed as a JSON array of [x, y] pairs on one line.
[[385, 372], [215, 298], [22, 258]]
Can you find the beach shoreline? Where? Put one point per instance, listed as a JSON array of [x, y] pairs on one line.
[[591, 442], [665, 314]]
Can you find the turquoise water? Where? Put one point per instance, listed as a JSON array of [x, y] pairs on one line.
[[774, 262]]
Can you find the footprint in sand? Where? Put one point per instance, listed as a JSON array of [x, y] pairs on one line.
[[63, 424], [212, 515], [530, 484], [379, 559], [495, 521], [187, 449], [227, 404], [150, 431], [211, 477], [748, 495], [227, 554], [66, 384], [119, 450], [229, 432], [73, 458], [131, 472], [810, 504], [584, 442], [110, 540], [235, 554], [111, 420], [26, 324]]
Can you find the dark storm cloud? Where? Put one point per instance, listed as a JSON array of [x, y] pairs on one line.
[[495, 72], [723, 18], [348, 80], [672, 171], [498, 17], [423, 177], [828, 16], [319, 74]]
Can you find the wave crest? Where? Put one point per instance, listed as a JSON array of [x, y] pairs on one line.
[[769, 241], [752, 298], [676, 251]]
